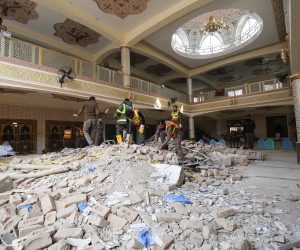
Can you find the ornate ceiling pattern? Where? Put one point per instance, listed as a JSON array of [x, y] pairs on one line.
[[75, 33], [21, 11], [122, 8]]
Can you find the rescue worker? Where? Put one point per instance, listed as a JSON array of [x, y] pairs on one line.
[[122, 121], [67, 138], [174, 130], [91, 111], [161, 131], [176, 116], [136, 120]]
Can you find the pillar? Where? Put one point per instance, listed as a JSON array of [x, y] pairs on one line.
[[189, 83], [125, 61], [295, 81], [191, 128], [293, 7]]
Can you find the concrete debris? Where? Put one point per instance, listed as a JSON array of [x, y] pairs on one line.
[[103, 197]]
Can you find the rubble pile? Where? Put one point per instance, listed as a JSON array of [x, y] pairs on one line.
[[119, 197]]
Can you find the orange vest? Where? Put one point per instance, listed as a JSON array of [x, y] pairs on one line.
[[169, 124], [175, 116], [136, 119], [67, 134]]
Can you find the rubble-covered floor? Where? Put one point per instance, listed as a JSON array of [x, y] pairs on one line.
[[114, 197]]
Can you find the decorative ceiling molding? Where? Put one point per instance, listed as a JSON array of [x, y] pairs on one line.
[[72, 32], [231, 78], [21, 11], [158, 69], [279, 19], [221, 71], [261, 61], [269, 70], [122, 8]]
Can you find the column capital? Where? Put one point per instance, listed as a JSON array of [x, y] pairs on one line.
[[124, 46]]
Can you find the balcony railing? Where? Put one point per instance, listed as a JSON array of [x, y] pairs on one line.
[[250, 88], [27, 52]]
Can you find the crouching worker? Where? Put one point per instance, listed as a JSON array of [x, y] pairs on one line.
[[135, 120], [161, 131], [175, 132]]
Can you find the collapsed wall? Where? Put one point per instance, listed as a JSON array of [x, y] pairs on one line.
[[129, 198]]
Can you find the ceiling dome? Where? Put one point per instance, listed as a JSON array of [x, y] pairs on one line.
[[216, 33]]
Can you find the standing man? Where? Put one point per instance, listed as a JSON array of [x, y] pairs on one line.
[[249, 127], [122, 121], [136, 120], [100, 128], [91, 111]]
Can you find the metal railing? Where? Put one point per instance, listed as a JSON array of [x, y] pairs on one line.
[[245, 89], [27, 52]]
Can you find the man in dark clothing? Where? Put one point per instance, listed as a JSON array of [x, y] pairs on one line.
[[122, 121], [100, 128], [91, 111], [161, 131], [249, 127], [136, 120]]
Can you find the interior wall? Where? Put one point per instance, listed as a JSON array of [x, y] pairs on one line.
[[40, 115], [260, 122]]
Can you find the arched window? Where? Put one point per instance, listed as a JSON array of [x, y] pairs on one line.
[[248, 29], [180, 40], [210, 44]]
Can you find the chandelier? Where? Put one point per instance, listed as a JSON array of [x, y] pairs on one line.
[[213, 25]]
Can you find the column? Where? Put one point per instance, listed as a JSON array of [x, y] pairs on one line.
[[125, 61], [294, 41], [295, 81], [189, 82], [191, 128]]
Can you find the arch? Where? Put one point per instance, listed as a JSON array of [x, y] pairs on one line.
[[25, 133], [245, 29], [8, 133], [211, 44]]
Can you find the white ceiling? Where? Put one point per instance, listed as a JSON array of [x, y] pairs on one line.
[[154, 7]]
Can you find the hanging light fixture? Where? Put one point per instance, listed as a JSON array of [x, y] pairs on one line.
[[214, 25], [157, 104]]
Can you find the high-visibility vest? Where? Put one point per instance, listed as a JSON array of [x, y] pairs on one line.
[[136, 120], [175, 116], [175, 126], [122, 118], [67, 134]]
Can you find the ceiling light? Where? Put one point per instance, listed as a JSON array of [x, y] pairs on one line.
[[157, 104], [213, 25]]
